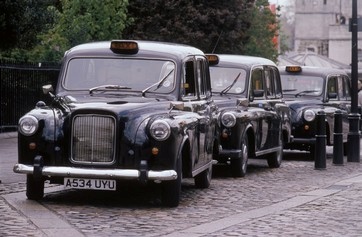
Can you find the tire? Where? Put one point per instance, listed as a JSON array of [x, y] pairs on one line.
[[239, 166], [203, 179], [312, 152], [171, 190], [275, 159], [34, 188]]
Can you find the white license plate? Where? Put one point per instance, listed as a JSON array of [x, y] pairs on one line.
[[96, 184]]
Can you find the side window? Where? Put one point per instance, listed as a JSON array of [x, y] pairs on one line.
[[269, 82], [332, 88], [201, 80], [257, 85], [346, 87], [189, 82]]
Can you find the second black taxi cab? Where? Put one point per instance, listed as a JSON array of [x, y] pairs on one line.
[[254, 120], [122, 110], [309, 90]]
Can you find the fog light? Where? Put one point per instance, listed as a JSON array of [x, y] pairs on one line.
[[32, 146], [155, 151], [306, 127]]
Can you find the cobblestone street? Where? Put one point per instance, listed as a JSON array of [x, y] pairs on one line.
[[293, 200]]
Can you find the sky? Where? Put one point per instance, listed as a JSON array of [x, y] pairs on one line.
[[279, 2]]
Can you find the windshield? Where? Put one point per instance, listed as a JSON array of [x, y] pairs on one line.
[[298, 85], [121, 74], [227, 80]]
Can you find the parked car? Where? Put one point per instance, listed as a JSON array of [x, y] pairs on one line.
[[123, 110], [254, 120], [309, 90]]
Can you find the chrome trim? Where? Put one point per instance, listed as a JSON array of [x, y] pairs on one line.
[[62, 171]]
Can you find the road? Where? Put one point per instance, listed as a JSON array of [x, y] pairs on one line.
[[293, 200]]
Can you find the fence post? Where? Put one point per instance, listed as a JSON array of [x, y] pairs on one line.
[[338, 139], [320, 143]]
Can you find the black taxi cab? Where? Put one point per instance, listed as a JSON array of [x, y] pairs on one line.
[[122, 110], [309, 90], [253, 119]]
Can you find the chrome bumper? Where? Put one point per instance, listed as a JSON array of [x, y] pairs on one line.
[[62, 171]]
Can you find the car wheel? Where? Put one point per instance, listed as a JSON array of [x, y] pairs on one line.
[[203, 179], [275, 159], [239, 166], [34, 188], [171, 190], [312, 152]]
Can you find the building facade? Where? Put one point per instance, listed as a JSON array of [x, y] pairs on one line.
[[322, 26]]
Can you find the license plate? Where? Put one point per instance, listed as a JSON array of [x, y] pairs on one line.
[[96, 184]]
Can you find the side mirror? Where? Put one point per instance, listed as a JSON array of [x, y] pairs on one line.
[[47, 89], [177, 105], [242, 102], [332, 95], [258, 93]]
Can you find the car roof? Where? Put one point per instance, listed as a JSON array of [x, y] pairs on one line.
[[313, 71], [242, 60], [146, 48]]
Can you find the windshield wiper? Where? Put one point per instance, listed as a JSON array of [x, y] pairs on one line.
[[305, 92], [224, 91], [108, 88], [159, 83]]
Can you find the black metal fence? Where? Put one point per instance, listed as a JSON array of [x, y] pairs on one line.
[[20, 89]]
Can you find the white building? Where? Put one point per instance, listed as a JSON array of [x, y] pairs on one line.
[[322, 26]]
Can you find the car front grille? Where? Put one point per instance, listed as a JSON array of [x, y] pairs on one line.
[[93, 139]]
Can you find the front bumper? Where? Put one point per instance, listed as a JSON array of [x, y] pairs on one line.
[[230, 153], [118, 174]]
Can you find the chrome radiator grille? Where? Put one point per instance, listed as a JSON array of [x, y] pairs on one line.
[[93, 139]]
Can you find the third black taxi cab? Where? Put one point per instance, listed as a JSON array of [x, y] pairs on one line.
[[309, 90]]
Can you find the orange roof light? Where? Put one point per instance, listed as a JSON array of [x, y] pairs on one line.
[[124, 47], [213, 59], [293, 68]]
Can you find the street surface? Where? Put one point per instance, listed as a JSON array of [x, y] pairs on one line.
[[293, 200]]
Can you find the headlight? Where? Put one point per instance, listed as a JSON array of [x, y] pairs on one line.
[[28, 125], [309, 115], [160, 130], [228, 119]]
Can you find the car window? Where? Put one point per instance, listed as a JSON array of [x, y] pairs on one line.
[[302, 85], [188, 81], [269, 82], [201, 81], [223, 77], [136, 74], [332, 88], [257, 84]]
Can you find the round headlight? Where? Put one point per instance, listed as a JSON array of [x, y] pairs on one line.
[[160, 130], [28, 125], [309, 115], [228, 119]]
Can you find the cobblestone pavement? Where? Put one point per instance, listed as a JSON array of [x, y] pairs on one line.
[[293, 200]]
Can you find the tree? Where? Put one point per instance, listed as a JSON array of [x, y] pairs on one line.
[[211, 25], [20, 23], [261, 32], [80, 22]]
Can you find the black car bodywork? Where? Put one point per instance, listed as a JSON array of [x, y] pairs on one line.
[[309, 90], [254, 120], [123, 110]]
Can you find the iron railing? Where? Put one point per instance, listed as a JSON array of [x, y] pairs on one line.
[[20, 89]]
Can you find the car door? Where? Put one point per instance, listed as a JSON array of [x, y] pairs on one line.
[[265, 112], [195, 97]]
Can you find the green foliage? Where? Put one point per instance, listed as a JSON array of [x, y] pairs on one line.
[[261, 32], [210, 25], [80, 22]]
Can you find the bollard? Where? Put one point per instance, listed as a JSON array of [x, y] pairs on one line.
[[338, 139], [353, 139], [320, 142]]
